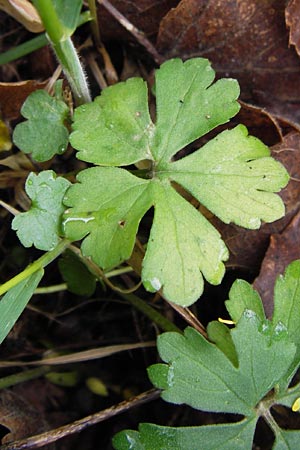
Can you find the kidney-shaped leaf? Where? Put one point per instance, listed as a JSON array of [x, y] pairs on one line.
[[43, 133], [233, 176], [40, 225]]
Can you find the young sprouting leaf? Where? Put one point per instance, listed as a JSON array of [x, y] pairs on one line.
[[79, 279], [40, 225], [68, 12], [242, 296], [44, 134], [214, 384], [237, 436], [15, 300], [220, 334], [233, 175]]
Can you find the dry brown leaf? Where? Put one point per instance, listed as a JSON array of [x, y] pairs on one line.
[[292, 18], [244, 39], [13, 95], [24, 12], [20, 417], [144, 14]]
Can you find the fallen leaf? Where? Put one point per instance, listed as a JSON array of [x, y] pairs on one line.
[[144, 14], [24, 12], [13, 95], [292, 18], [244, 39], [22, 418]]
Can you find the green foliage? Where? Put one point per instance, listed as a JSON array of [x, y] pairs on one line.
[[198, 373], [79, 279], [44, 134], [14, 302], [68, 12], [233, 175], [40, 225]]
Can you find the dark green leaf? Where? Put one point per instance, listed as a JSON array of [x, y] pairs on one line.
[[200, 375], [79, 279], [235, 436]]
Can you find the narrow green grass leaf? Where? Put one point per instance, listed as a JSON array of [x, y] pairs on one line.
[[14, 302]]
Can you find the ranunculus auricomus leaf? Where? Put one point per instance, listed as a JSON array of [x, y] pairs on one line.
[[233, 175]]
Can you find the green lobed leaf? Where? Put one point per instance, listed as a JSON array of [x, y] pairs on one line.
[[287, 309], [242, 296], [116, 128], [188, 105], [107, 206], [15, 300], [237, 436], [200, 375], [79, 279], [233, 176], [182, 244], [287, 301], [40, 225], [287, 440], [44, 133]]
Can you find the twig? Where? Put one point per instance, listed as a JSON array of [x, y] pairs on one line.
[[139, 35], [48, 437]]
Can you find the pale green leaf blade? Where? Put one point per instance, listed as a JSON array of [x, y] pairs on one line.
[[287, 301], [68, 12], [237, 436], [15, 300], [287, 440], [40, 225], [200, 375], [116, 129], [106, 206], [287, 310], [219, 334], [242, 296], [189, 105], [44, 133], [191, 245], [234, 177]]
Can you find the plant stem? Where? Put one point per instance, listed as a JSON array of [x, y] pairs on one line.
[[94, 22], [164, 323], [137, 302], [64, 49], [35, 43], [40, 263], [51, 289], [69, 60]]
